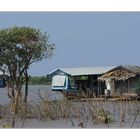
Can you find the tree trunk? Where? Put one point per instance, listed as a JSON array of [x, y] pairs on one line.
[[26, 86], [15, 105]]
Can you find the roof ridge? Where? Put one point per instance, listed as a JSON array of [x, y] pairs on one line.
[[86, 67]]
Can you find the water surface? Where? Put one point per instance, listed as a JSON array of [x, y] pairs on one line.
[[34, 94]]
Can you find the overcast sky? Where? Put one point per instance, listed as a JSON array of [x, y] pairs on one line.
[[83, 39]]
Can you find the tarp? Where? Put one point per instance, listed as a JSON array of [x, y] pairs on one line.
[[109, 84], [58, 81]]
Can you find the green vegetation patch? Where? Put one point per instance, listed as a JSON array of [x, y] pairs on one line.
[[39, 80]]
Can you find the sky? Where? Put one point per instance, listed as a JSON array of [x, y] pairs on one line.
[[83, 39]]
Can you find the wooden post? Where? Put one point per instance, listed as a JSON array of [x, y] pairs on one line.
[[114, 86], [128, 86], [92, 83], [98, 87]]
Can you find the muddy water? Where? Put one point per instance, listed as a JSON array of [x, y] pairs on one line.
[[34, 94], [123, 113], [64, 123]]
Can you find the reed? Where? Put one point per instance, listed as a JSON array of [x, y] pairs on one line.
[[78, 112]]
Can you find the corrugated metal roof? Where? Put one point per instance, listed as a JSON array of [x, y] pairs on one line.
[[85, 70]]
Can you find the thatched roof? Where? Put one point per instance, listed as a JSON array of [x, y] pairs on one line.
[[121, 73]]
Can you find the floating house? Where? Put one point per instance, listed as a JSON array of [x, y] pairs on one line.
[[124, 79], [79, 80]]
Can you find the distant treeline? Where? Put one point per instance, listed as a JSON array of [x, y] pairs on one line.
[[39, 80]]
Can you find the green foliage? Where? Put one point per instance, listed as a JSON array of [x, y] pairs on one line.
[[6, 125], [24, 44], [104, 116], [84, 78], [39, 80]]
